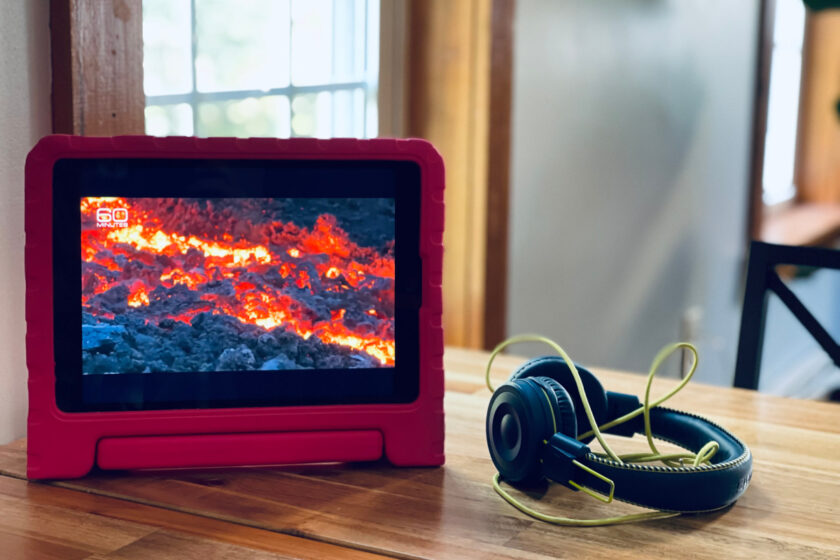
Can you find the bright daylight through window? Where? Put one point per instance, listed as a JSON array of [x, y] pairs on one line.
[[783, 105], [261, 68]]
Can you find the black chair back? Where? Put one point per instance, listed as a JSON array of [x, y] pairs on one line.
[[762, 279]]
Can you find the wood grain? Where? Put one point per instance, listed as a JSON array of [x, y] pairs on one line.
[[41, 521], [790, 510], [97, 66]]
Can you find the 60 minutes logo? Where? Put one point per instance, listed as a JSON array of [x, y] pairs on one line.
[[111, 217]]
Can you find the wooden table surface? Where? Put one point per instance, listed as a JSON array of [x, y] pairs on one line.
[[791, 510]]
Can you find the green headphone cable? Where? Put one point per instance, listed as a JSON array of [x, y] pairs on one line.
[[569, 522], [703, 456]]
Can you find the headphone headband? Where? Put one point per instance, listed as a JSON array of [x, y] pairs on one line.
[[686, 489]]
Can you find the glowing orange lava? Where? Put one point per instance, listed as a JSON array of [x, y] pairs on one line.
[[139, 296], [269, 278]]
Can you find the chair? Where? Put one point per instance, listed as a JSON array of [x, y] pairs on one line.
[[761, 279]]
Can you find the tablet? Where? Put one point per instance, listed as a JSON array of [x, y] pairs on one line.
[[197, 287]]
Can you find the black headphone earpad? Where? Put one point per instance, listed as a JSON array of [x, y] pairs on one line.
[[562, 406], [555, 367], [519, 420]]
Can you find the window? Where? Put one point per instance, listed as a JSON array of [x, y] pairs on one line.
[[443, 68], [275, 68], [795, 193]]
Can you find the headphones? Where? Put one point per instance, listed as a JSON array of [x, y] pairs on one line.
[[536, 424]]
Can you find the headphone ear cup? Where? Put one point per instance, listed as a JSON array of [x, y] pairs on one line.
[[562, 406], [519, 420], [555, 367]]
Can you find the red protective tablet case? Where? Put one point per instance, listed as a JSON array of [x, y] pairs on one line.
[[66, 445]]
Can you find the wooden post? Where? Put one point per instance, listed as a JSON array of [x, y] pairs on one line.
[[97, 67], [459, 82]]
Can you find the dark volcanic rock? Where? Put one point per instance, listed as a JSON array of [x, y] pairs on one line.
[[101, 338], [279, 362], [236, 359]]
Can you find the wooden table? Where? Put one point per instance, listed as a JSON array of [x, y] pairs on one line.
[[791, 510]]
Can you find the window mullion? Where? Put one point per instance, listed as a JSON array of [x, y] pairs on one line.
[[194, 53]]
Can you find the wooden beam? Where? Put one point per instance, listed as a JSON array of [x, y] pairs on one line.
[[818, 154], [459, 99], [97, 67], [498, 173]]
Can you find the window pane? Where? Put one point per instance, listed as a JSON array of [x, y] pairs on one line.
[[241, 51], [169, 120], [782, 113], [167, 52], [242, 45], [312, 115], [783, 103], [348, 113], [263, 116], [312, 42], [372, 114], [789, 24], [349, 41]]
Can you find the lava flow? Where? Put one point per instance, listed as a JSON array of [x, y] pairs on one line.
[[301, 297]]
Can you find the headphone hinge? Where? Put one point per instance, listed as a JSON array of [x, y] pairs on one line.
[[619, 404], [558, 458]]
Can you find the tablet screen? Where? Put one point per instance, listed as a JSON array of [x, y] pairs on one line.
[[206, 283]]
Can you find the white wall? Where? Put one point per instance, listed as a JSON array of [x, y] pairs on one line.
[[24, 117], [631, 134]]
